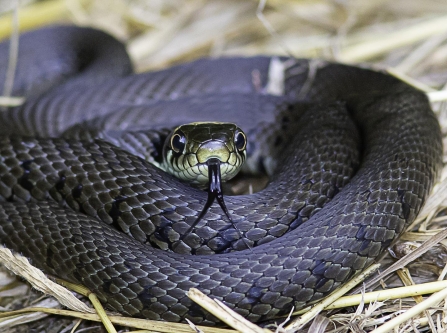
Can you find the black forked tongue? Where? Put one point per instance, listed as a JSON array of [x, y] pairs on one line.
[[215, 193], [214, 190]]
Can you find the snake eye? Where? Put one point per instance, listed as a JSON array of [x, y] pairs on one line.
[[178, 141], [240, 141]]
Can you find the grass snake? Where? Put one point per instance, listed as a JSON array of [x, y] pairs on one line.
[[74, 168]]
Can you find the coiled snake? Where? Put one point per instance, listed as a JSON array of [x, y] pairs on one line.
[[311, 128]]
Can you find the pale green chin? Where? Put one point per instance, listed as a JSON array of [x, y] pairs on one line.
[[198, 174]]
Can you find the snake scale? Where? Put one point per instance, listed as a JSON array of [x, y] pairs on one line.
[[361, 143]]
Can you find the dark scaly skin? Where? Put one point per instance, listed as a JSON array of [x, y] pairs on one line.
[[311, 250]]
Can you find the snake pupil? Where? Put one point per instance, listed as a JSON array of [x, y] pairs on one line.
[[241, 141], [178, 142]]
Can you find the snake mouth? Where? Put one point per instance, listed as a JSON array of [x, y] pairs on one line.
[[199, 174]]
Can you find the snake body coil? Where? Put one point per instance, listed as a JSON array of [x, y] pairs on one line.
[[63, 196]]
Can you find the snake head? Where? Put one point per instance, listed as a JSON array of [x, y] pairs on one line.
[[189, 148], [206, 154]]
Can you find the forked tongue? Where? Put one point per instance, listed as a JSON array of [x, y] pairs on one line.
[[214, 190], [215, 193]]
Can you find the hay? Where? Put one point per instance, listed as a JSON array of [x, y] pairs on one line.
[[408, 38]]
